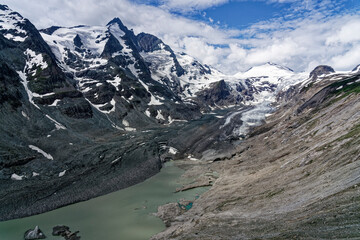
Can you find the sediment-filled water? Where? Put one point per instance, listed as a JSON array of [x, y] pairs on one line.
[[125, 214]]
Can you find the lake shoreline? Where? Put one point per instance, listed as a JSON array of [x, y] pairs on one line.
[[136, 205]]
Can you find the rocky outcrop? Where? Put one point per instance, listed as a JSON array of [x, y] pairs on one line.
[[321, 70], [64, 231], [218, 93], [168, 212], [33, 234]]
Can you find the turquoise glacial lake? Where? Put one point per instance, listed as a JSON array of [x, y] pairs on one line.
[[126, 214]]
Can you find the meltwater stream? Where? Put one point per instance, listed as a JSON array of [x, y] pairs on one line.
[[125, 214]]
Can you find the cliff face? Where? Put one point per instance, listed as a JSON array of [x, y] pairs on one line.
[[295, 177]]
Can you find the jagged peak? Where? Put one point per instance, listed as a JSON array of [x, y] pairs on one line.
[[118, 21]]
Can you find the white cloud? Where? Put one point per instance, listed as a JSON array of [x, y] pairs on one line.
[[312, 32], [347, 60], [348, 33], [190, 5]]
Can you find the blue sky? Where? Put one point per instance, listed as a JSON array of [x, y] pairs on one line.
[[231, 35], [242, 14]]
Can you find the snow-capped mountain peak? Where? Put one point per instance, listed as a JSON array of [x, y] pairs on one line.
[[268, 69]]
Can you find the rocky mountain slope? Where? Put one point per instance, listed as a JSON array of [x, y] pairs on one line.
[[88, 110], [294, 177]]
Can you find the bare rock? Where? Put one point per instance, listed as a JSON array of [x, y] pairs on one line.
[[35, 233], [169, 212], [64, 231], [320, 70]]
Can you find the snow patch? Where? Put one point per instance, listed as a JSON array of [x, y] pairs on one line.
[[116, 160], [15, 38], [25, 84], [173, 150], [62, 173], [130, 129], [54, 104], [34, 61], [159, 115], [125, 123], [58, 125], [190, 157], [14, 176], [25, 115], [48, 156], [116, 82]]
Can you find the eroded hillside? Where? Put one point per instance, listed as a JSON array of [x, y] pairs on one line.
[[295, 177]]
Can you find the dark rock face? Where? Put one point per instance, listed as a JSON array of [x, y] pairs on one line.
[[320, 70], [9, 87], [33, 234], [218, 93], [77, 41], [112, 46], [59, 230], [50, 30], [64, 231], [149, 43], [76, 108]]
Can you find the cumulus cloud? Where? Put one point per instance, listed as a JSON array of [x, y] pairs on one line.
[[190, 5], [311, 32]]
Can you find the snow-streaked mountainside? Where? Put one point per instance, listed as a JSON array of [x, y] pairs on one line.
[[85, 48], [133, 80], [120, 104]]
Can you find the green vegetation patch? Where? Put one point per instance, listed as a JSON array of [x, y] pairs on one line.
[[355, 131], [346, 87]]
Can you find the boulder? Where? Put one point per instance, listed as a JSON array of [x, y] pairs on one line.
[[64, 231], [35, 233]]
